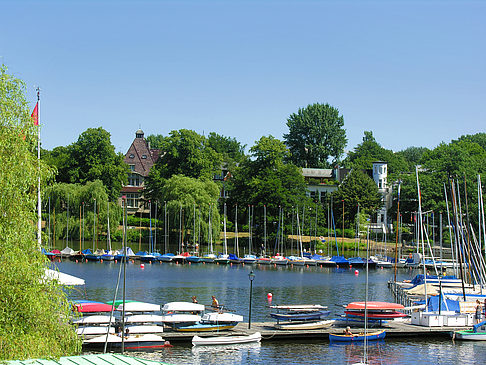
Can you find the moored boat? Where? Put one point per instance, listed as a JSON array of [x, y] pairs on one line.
[[226, 340], [370, 336], [477, 333]]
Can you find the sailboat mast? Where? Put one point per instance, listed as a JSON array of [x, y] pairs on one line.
[[39, 209], [236, 232], [224, 225], [397, 229]]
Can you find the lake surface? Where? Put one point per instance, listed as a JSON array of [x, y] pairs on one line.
[[162, 283]]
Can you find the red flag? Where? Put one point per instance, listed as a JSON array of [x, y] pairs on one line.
[[35, 114]]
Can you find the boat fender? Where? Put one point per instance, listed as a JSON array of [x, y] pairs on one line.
[[356, 272]]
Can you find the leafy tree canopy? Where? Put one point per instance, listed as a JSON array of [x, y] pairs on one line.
[[33, 312], [316, 136], [357, 188], [479, 138], [229, 148], [91, 157], [413, 156], [370, 151], [265, 179], [187, 153]]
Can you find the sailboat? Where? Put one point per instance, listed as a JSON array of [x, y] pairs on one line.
[[224, 258], [365, 336]]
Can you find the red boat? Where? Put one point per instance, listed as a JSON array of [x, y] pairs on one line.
[[87, 306], [375, 310]]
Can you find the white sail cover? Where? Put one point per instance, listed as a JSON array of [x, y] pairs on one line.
[[64, 279]]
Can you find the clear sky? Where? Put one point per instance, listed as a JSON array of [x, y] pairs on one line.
[[413, 72]]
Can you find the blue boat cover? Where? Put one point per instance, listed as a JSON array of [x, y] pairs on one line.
[[419, 279], [316, 257], [433, 304], [233, 257], [87, 252], [339, 260]]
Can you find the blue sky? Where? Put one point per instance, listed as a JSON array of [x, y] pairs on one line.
[[413, 72]]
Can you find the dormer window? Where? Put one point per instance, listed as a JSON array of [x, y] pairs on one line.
[[131, 155], [144, 156]]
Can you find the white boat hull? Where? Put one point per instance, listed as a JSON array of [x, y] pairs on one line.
[[225, 340]]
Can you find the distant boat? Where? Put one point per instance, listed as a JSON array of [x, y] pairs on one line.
[[305, 325], [88, 306], [226, 340], [371, 336]]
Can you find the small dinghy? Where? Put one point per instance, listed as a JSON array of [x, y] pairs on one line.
[[477, 333], [371, 336], [225, 340]]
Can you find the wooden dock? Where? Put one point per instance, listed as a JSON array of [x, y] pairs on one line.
[[270, 333]]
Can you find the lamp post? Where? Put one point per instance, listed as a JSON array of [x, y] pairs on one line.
[[251, 276]]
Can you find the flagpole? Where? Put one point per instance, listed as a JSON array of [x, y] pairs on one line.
[[39, 212]]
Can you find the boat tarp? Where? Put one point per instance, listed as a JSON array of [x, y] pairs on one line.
[[67, 251], [87, 252], [232, 256], [339, 260], [420, 290], [63, 279], [445, 305], [419, 279]]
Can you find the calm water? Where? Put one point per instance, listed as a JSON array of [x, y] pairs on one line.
[[162, 283]]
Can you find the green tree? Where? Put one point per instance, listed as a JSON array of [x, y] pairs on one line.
[[316, 136], [190, 195], [266, 180], [91, 157], [95, 159], [34, 312], [156, 141], [370, 151], [229, 148], [413, 156], [479, 138], [185, 153], [357, 188]]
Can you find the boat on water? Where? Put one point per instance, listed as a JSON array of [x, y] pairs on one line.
[[249, 259], [339, 260], [193, 259], [166, 257], [209, 258], [368, 336], [477, 333], [279, 260], [226, 340], [264, 260]]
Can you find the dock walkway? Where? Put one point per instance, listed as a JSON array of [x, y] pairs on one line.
[[270, 333]]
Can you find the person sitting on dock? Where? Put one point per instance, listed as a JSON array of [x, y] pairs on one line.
[[194, 299], [215, 303], [347, 331]]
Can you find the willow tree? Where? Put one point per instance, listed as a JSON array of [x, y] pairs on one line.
[[33, 311]]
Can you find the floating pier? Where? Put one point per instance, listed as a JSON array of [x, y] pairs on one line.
[[270, 333]]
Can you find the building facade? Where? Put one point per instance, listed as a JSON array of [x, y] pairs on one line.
[[140, 158]]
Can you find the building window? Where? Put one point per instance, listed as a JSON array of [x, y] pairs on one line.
[[380, 184], [132, 167], [133, 200], [134, 180], [131, 155], [144, 157]]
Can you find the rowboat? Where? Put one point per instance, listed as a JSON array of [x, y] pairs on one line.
[[305, 325], [225, 340], [371, 336], [477, 333]]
